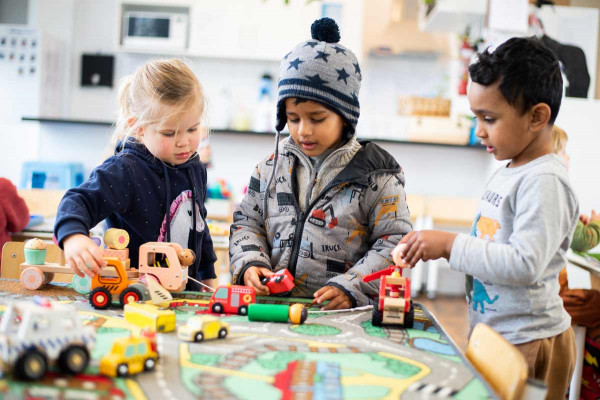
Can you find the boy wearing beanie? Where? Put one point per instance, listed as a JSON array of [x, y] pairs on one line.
[[325, 206]]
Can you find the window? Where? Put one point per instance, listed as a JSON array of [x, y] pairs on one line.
[[142, 348], [221, 293], [130, 351]]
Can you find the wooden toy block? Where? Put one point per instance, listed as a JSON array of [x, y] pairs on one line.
[[122, 254], [116, 238]]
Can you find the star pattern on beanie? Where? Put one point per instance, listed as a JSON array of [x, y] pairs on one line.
[[342, 74], [295, 63], [316, 80], [321, 70], [339, 49], [323, 55]]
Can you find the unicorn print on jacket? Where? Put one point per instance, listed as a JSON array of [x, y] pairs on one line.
[[181, 220]]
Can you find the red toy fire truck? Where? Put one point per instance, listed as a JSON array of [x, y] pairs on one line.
[[232, 299], [280, 282], [394, 305]]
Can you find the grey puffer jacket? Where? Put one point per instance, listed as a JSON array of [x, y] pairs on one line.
[[347, 231]]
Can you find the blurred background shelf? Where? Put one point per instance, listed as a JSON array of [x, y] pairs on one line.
[[246, 133]]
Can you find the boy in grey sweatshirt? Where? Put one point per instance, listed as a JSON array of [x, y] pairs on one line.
[[526, 216]]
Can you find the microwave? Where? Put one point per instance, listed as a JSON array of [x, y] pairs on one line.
[[150, 29]]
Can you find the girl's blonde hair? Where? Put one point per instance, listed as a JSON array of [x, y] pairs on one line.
[[158, 83], [559, 139]]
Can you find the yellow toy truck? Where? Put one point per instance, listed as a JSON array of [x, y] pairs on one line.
[[151, 316]]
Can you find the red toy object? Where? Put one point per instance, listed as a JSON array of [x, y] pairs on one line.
[[280, 282], [394, 305], [232, 299]]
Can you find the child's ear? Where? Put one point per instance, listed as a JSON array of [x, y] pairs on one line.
[[540, 116]]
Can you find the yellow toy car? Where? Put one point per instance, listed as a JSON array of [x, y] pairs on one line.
[[128, 356], [203, 327]]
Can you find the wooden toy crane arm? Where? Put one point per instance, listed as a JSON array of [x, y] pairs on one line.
[[379, 274]]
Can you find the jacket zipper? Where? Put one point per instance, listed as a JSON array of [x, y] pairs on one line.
[[300, 226]]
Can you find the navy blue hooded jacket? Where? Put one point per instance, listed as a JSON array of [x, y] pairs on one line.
[[135, 191]]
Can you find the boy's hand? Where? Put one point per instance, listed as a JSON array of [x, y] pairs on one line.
[[83, 255], [426, 245], [337, 298], [253, 276], [208, 282]]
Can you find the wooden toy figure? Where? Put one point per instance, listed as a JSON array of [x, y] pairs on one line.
[[394, 305]]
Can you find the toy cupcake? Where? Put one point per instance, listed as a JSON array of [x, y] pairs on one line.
[[35, 251]]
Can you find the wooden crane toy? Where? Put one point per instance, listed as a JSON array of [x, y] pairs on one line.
[[394, 305]]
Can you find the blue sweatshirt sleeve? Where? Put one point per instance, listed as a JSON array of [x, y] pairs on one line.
[[107, 191]]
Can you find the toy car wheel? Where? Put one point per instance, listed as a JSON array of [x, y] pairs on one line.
[[243, 310], [32, 278], [31, 366], [130, 295], [377, 314], [48, 277], [409, 317], [122, 370], [199, 337], [100, 298], [265, 280], [217, 308], [74, 359], [222, 333], [149, 364]]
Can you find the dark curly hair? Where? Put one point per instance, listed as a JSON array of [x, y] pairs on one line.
[[529, 73]]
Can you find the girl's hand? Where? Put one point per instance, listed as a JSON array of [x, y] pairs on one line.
[[208, 282], [83, 255], [337, 298], [253, 276], [426, 245]]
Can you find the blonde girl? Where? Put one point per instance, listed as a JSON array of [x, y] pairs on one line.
[[154, 186]]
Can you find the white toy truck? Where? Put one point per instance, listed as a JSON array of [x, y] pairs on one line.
[[35, 334]]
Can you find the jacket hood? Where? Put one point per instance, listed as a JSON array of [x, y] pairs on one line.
[[133, 146], [370, 159]]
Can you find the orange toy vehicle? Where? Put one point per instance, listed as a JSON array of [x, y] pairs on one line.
[[116, 280], [233, 299], [165, 262], [394, 305]]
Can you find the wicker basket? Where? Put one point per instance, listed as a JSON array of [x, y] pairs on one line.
[[411, 105]]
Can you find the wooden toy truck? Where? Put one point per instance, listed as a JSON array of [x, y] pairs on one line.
[[232, 299], [394, 305]]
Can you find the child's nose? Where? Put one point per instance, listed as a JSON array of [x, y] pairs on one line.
[[479, 131], [304, 128]]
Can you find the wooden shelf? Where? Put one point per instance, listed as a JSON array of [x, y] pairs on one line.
[[247, 133]]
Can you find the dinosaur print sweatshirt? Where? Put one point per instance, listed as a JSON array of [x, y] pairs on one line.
[[518, 244]]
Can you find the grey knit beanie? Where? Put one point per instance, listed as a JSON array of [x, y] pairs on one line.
[[321, 70]]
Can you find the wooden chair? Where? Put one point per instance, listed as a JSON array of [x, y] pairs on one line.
[[502, 365]]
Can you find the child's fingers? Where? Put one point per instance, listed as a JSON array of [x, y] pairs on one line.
[[254, 281], [81, 265], [329, 294], [91, 263], [75, 269], [407, 237], [415, 258], [338, 302], [397, 254], [320, 291], [98, 256]]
